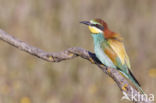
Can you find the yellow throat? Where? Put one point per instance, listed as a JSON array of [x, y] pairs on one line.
[[94, 30]]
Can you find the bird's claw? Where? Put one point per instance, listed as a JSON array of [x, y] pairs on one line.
[[91, 60]]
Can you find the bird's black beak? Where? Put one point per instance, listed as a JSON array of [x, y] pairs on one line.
[[85, 22]]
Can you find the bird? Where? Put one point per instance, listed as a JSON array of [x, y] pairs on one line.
[[110, 50]]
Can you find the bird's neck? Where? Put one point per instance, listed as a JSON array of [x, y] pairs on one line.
[[98, 38]]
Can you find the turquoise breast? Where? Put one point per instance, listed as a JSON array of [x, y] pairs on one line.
[[98, 40]]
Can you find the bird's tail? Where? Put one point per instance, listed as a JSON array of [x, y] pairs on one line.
[[134, 81]]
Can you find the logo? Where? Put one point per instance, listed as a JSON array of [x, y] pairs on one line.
[[138, 97]]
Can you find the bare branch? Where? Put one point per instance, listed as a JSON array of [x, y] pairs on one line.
[[71, 53]]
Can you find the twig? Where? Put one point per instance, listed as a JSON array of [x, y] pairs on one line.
[[71, 53]]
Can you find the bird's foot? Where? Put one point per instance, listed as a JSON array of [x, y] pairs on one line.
[[91, 60]]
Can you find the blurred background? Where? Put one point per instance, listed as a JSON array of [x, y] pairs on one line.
[[53, 25]]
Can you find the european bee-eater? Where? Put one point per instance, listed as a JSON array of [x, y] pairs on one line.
[[109, 48]]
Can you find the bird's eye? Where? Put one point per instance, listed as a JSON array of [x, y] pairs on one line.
[[96, 25], [100, 27]]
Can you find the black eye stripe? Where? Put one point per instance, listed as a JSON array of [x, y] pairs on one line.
[[98, 26]]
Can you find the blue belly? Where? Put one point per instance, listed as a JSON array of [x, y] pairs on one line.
[[98, 41], [103, 57]]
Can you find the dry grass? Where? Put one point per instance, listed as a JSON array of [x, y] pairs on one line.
[[53, 25]]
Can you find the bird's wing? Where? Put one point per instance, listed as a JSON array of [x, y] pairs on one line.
[[115, 50], [118, 49]]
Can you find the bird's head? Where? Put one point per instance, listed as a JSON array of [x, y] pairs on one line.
[[96, 26]]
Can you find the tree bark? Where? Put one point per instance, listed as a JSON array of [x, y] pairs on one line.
[[71, 53]]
